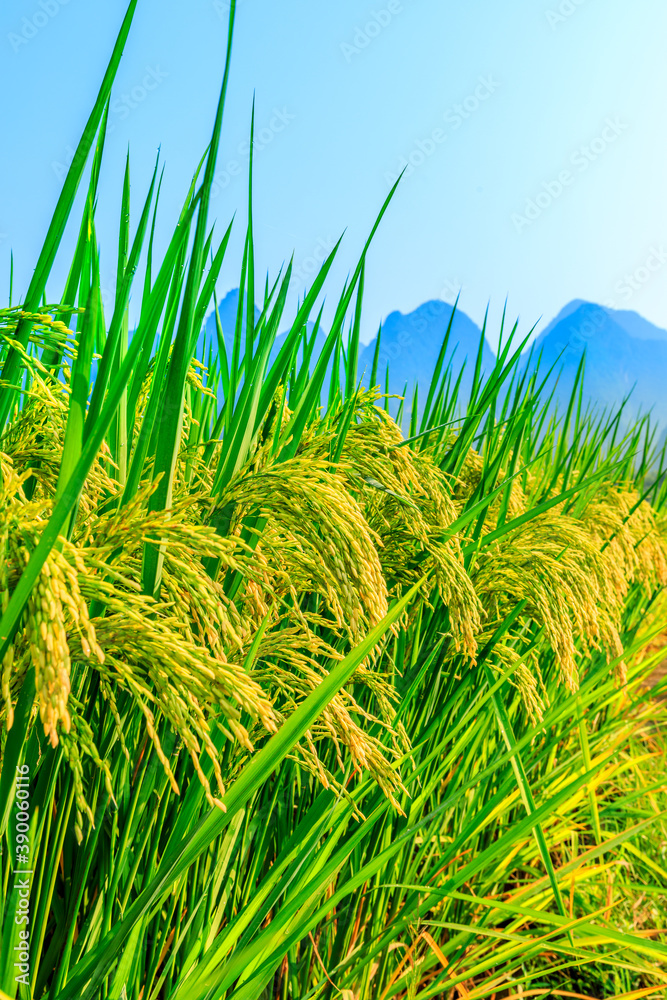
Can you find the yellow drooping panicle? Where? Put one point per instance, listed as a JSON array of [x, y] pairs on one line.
[[318, 545]]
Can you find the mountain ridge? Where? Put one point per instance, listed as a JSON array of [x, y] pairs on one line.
[[624, 352]]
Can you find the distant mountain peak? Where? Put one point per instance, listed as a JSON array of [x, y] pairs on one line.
[[624, 354], [622, 350], [633, 324]]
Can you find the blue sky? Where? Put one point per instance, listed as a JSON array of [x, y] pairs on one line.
[[534, 130]]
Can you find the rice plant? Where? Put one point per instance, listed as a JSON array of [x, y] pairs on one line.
[[307, 708]]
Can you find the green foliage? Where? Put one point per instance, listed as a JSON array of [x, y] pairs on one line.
[[310, 710]]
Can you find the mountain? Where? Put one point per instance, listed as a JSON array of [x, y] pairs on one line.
[[633, 324], [227, 309], [623, 350], [636, 325], [624, 353], [410, 344]]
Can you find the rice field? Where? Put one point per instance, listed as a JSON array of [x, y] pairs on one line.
[[295, 706]]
